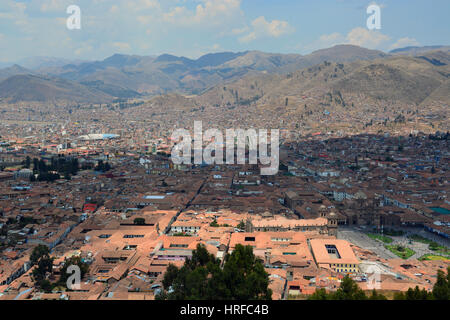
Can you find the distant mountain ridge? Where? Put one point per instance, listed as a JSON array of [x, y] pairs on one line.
[[411, 80], [132, 76], [34, 88], [14, 71], [414, 50]]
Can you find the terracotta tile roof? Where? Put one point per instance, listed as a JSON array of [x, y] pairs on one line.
[[343, 247]]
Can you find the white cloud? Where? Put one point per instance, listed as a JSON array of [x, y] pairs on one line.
[[381, 5], [20, 6], [237, 31], [114, 9], [359, 36], [139, 5], [217, 8], [262, 28], [404, 42], [122, 46], [83, 50], [12, 10], [248, 38], [209, 13], [54, 5], [329, 40], [144, 19], [366, 38]]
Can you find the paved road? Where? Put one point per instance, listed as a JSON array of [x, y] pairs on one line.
[[418, 247], [362, 240], [359, 238], [429, 235], [188, 204]]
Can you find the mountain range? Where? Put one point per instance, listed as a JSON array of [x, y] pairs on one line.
[[422, 70]]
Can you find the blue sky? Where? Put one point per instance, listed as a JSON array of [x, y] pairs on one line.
[[195, 27]]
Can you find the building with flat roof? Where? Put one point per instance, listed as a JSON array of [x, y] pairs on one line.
[[334, 254]]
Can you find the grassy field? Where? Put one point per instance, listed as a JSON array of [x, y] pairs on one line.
[[402, 252], [380, 237], [418, 238], [431, 245], [393, 233], [442, 250], [433, 257]]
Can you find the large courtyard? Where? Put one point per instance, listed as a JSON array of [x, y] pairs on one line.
[[364, 238]]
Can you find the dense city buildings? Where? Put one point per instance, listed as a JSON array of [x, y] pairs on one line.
[[223, 171], [337, 206]]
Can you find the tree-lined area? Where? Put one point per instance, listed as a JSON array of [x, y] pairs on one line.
[[43, 272], [243, 277], [59, 166], [349, 290], [202, 278]]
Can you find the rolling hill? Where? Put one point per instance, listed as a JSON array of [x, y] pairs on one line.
[[395, 78], [168, 73], [257, 76], [45, 89]]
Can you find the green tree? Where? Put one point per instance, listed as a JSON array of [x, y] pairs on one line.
[[241, 225], [102, 166], [433, 246], [38, 252], [28, 162], [399, 296], [44, 265], [441, 289], [45, 285], [319, 294], [214, 223], [245, 275], [376, 296], [201, 278], [417, 294], [139, 221], [35, 165], [75, 166], [170, 276], [349, 290], [76, 261]]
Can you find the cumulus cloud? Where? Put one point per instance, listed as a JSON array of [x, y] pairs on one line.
[[404, 42], [122, 46], [359, 36], [262, 28], [367, 38], [209, 12], [139, 5], [109, 26], [12, 10], [53, 5], [82, 50], [114, 9], [237, 31]]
